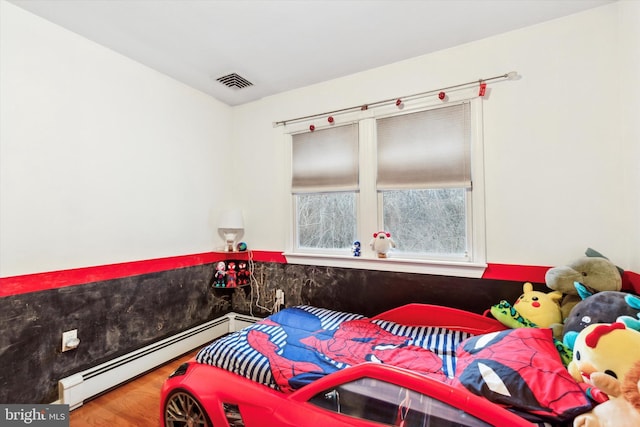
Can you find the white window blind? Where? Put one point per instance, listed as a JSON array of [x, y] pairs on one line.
[[428, 149], [325, 160]]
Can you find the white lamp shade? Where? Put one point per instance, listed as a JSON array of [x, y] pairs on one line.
[[231, 228], [231, 219]]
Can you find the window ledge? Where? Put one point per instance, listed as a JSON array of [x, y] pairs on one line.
[[405, 265]]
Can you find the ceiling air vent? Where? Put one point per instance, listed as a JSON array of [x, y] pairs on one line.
[[234, 81]]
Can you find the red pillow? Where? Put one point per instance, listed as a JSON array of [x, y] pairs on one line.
[[521, 369]]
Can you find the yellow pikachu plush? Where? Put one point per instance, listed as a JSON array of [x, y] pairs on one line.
[[541, 308]]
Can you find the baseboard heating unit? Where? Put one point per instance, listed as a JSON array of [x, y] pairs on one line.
[[76, 389]]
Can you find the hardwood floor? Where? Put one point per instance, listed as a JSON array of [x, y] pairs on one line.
[[135, 404]]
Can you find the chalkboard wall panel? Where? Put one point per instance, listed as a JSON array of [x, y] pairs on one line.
[[112, 317], [370, 292], [115, 317]]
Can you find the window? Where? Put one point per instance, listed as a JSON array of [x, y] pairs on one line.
[[429, 221], [318, 225], [324, 183], [423, 174], [414, 172], [390, 404]]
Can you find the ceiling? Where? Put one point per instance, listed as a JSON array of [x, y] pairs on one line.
[[279, 45]]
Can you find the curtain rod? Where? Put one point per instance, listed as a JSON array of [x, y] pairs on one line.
[[512, 75]]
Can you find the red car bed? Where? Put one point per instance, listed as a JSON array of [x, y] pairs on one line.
[[414, 366]]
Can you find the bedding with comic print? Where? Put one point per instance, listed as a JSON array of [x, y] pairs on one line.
[[518, 368], [300, 344]]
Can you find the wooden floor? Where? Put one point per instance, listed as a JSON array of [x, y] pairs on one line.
[[135, 404]]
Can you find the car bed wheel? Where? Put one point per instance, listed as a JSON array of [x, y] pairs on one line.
[[183, 410]]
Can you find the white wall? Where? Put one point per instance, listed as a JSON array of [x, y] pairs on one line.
[[559, 143], [102, 160], [630, 106]]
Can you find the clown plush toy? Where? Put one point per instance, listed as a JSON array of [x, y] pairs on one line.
[[382, 243]]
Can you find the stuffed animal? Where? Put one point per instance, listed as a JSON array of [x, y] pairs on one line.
[[602, 307], [609, 348], [382, 243], [621, 411], [535, 309], [532, 309], [596, 273], [538, 307]]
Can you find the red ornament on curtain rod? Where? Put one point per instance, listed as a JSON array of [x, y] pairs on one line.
[[312, 128], [330, 119], [483, 88], [512, 75]]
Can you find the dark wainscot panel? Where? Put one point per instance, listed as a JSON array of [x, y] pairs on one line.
[[113, 317], [370, 292]]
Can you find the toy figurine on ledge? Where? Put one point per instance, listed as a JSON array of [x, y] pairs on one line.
[[231, 274], [220, 275], [244, 274], [382, 243]]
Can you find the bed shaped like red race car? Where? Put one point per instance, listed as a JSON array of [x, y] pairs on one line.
[[414, 366]]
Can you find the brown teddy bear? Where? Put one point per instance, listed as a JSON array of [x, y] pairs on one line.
[[620, 411]]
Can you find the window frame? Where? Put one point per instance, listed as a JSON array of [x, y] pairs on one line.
[[368, 199]]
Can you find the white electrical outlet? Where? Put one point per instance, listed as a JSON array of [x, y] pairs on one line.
[[279, 297], [70, 340]]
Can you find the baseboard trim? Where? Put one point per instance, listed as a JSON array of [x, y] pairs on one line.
[[75, 389]]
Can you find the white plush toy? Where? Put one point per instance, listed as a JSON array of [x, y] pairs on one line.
[[382, 243]]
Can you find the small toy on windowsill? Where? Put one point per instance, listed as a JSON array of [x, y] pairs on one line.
[[382, 243], [355, 248]]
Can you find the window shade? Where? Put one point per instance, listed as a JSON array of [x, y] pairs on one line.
[[325, 160], [429, 149]]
